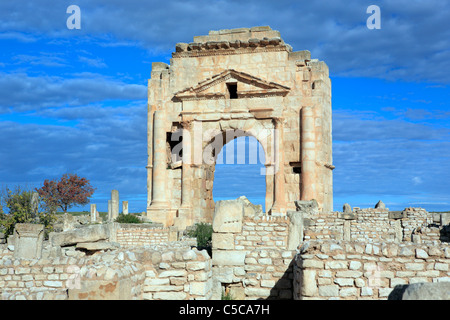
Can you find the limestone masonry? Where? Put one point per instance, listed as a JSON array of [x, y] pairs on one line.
[[232, 83], [247, 82]]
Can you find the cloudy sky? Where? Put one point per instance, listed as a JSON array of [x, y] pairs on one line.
[[75, 100]]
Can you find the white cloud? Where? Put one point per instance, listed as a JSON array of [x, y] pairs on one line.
[[93, 62], [417, 180], [335, 31], [23, 92]]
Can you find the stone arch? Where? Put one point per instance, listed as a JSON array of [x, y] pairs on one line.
[[214, 146], [226, 131], [239, 81], [216, 134]]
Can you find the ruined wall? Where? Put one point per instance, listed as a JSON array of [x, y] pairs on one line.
[[263, 232], [353, 270], [375, 225], [178, 274], [111, 275], [165, 272], [251, 259], [136, 234]]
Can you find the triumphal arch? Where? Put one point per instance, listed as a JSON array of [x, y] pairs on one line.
[[231, 83]]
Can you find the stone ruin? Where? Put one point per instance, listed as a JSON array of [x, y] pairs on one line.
[[241, 79], [371, 253], [230, 83]]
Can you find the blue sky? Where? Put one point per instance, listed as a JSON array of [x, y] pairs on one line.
[[75, 100]]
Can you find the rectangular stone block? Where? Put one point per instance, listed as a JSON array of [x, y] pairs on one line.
[[169, 296], [329, 291], [228, 258], [257, 292], [173, 273], [196, 265], [199, 288], [308, 283], [53, 284], [222, 240], [228, 216], [348, 292], [414, 266], [28, 240]]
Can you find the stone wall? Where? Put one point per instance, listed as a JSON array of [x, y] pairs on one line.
[[354, 270], [137, 234], [178, 274], [375, 225], [263, 274], [251, 258], [101, 276], [165, 272], [264, 232]]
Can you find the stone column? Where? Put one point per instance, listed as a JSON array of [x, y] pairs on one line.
[[279, 205], [159, 161], [159, 207], [124, 207], [185, 210], [114, 204], [93, 213], [186, 166], [149, 155], [308, 155], [269, 186], [109, 210]]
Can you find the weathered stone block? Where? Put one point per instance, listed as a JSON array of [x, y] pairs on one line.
[[169, 296], [222, 241], [257, 292], [86, 234], [173, 273], [329, 291], [228, 216], [228, 258], [28, 240], [308, 283], [199, 288], [427, 291]]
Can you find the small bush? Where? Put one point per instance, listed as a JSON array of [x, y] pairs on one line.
[[127, 218], [226, 296], [21, 209], [203, 232]]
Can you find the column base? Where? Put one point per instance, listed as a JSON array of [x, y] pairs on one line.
[[160, 212]]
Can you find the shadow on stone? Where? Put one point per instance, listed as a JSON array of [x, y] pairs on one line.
[[398, 291], [283, 288]]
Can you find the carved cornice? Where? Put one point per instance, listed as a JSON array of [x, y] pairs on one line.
[[196, 49]]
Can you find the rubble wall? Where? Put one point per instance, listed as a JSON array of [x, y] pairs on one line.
[[354, 270]]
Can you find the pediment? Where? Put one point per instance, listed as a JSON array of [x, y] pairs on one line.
[[232, 84]]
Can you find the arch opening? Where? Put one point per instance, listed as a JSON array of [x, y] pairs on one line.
[[238, 171]]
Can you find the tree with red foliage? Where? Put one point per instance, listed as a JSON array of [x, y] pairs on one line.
[[70, 190]]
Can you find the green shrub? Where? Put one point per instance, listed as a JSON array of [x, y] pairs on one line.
[[203, 232], [127, 218], [226, 296], [22, 210]]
